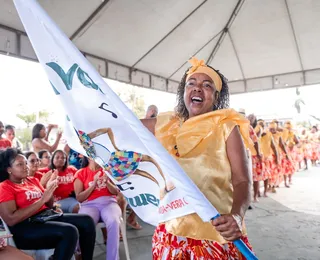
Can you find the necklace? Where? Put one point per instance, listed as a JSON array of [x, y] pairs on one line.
[[19, 183]]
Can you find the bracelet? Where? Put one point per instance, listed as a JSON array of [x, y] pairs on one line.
[[238, 220]]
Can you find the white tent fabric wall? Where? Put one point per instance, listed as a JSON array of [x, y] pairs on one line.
[[257, 45]]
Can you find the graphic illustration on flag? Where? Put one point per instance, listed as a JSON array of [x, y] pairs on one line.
[[100, 126], [121, 164]]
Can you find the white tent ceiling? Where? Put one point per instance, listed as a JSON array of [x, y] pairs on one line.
[[256, 44]]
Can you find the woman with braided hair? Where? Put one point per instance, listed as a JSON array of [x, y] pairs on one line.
[[207, 139]]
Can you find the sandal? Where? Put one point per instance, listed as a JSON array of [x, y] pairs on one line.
[[135, 225]]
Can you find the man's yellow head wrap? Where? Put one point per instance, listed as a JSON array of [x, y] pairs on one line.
[[288, 125], [199, 66], [273, 125]]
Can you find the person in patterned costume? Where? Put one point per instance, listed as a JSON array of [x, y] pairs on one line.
[[275, 167], [269, 151], [285, 167], [314, 139], [291, 142], [293, 151], [207, 140], [305, 147], [258, 167]]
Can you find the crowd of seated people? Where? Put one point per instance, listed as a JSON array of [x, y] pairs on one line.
[[53, 198], [39, 203], [28, 209]]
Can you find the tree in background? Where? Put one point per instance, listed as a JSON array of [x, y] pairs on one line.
[[24, 136], [139, 107], [44, 116], [28, 118], [134, 101], [32, 118], [305, 124]]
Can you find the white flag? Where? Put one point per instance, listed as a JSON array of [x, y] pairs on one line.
[[100, 126]]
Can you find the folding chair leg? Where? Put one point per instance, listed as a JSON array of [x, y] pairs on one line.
[[124, 237]]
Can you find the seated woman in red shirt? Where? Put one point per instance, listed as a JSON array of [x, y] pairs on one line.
[[4, 142], [33, 163], [97, 196], [45, 157], [24, 202], [64, 195]]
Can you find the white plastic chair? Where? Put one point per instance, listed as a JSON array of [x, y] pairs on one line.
[[123, 228], [41, 254]]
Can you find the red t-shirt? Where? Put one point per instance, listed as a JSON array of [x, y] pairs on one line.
[[44, 170], [86, 176], [38, 175], [23, 194], [5, 143], [65, 183]]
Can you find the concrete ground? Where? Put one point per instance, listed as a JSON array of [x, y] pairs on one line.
[[285, 226]]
